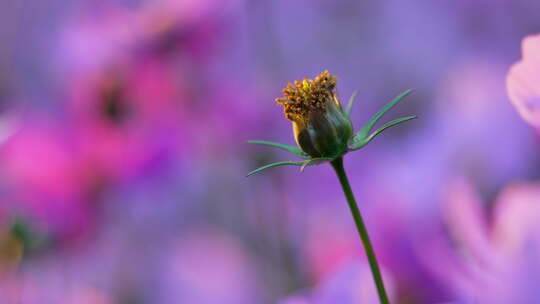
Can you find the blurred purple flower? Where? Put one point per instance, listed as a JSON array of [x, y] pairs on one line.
[[523, 81]]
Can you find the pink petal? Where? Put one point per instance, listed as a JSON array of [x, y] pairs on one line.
[[523, 82]]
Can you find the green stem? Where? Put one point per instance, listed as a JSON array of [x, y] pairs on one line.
[[340, 171]]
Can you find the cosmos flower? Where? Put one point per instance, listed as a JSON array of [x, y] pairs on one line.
[[321, 126]]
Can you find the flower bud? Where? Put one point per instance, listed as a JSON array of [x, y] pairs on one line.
[[321, 127]]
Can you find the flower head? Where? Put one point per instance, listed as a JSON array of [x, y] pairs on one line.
[[321, 127], [308, 95]]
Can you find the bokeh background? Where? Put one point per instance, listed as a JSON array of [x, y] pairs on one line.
[[123, 157]]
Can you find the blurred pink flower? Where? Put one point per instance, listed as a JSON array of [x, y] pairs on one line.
[[137, 100], [148, 84], [523, 81], [46, 177], [497, 265], [128, 118], [39, 156], [119, 124]]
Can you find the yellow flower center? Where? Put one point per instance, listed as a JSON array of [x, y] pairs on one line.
[[307, 95]]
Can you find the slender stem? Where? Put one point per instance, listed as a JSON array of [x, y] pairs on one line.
[[340, 171]]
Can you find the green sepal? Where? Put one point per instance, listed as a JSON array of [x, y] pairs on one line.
[[367, 127], [359, 143], [350, 104], [291, 149], [314, 162], [283, 163], [303, 164]]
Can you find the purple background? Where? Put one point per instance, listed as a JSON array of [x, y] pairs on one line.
[[123, 154]]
